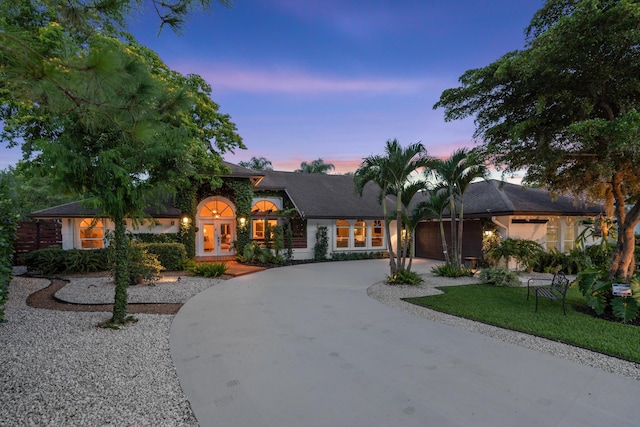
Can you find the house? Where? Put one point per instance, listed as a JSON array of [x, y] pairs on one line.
[[249, 201], [515, 212]]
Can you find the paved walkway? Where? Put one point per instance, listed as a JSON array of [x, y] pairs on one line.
[[305, 346]]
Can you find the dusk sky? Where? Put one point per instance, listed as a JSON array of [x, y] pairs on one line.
[[337, 78]]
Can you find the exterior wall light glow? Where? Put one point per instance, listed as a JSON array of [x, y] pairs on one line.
[[185, 220]]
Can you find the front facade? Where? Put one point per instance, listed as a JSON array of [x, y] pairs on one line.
[[312, 202]]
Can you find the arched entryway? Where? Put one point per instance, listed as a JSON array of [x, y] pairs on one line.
[[216, 222]]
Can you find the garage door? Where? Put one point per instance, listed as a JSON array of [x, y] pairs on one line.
[[429, 243]]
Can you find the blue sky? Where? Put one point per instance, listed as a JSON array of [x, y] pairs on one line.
[[337, 78]]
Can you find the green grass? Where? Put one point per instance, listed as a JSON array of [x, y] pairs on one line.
[[508, 308]]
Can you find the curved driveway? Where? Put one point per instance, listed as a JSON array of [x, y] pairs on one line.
[[305, 346]]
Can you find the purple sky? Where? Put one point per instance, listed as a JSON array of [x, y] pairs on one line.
[[337, 78]]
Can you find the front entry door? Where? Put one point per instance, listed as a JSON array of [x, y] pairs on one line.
[[217, 238]]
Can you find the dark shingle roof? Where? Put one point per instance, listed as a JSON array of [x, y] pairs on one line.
[[494, 197], [78, 210], [318, 195]]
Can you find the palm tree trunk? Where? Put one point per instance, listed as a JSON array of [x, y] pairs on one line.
[[454, 248], [460, 226], [399, 265], [443, 237]]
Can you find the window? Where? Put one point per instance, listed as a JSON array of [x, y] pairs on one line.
[[569, 235], [342, 233], [553, 232], [377, 234], [91, 233], [216, 209], [262, 209], [360, 234]]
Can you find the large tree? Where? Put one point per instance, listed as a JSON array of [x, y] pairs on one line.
[[566, 108], [103, 115]]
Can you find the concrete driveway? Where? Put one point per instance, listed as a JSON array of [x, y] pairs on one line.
[[305, 346]]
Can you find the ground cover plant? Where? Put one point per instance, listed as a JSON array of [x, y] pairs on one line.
[[508, 307]]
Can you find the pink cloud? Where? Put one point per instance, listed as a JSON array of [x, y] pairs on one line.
[[300, 82]]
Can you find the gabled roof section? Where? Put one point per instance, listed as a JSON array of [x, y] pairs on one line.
[[242, 172], [317, 195], [494, 197], [77, 210]]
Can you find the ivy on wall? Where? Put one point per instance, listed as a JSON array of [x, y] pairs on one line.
[[187, 203], [242, 197]]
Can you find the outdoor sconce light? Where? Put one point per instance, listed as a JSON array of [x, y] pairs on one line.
[[185, 220], [243, 221], [488, 233]]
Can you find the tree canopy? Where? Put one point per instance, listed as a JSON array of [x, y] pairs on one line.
[[316, 166], [567, 108], [257, 164]]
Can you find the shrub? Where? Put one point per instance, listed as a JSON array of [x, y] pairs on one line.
[[499, 276], [405, 277], [596, 288], [322, 244], [215, 269], [449, 270], [51, 261], [171, 255], [525, 252], [157, 237], [143, 266], [260, 254], [352, 256], [7, 236]]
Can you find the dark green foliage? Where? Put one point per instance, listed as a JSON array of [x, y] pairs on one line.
[[257, 253], [450, 270], [7, 236], [499, 276], [525, 252], [157, 238], [171, 255], [52, 261], [186, 202], [600, 255], [278, 240], [405, 277], [352, 256], [143, 265], [597, 290], [242, 197], [215, 269], [321, 247], [288, 242]]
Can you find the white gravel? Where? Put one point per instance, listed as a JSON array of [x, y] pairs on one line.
[[57, 368], [392, 296]]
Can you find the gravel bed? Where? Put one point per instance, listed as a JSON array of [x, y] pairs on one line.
[[392, 296], [101, 290], [59, 369]]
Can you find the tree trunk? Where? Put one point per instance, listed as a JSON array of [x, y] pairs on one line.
[[623, 261], [454, 249], [460, 226], [121, 272], [443, 237], [400, 264]]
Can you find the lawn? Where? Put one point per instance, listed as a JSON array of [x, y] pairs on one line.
[[509, 308]]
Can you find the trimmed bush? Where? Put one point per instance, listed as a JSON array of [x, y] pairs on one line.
[[499, 276], [352, 256], [156, 238], [51, 261], [171, 255]]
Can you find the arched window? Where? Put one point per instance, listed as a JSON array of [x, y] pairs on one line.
[[216, 209], [262, 209], [91, 233], [264, 206], [360, 234]]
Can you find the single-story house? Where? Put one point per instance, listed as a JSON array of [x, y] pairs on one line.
[[309, 201]]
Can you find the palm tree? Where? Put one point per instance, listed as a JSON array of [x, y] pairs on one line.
[[257, 164], [455, 174], [392, 172], [316, 166], [435, 206]]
